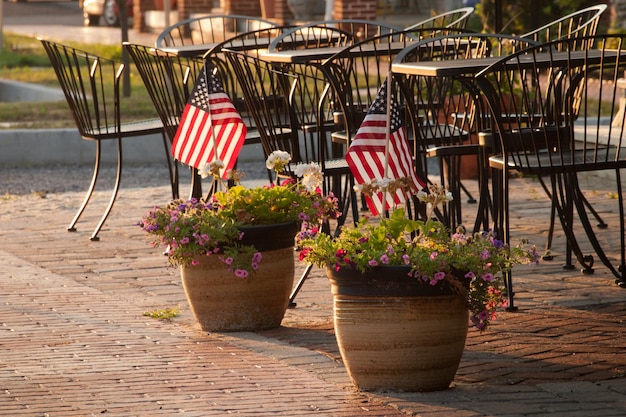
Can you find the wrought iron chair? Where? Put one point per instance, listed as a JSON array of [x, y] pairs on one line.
[[358, 71], [556, 97], [210, 29], [444, 116], [169, 80], [360, 29], [580, 23], [249, 41], [457, 18], [91, 85], [269, 90], [312, 107]]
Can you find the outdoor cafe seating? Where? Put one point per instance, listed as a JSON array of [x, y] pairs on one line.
[[308, 88], [444, 115], [92, 88], [209, 29], [559, 101]]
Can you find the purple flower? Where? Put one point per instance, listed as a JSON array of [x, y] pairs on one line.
[[433, 256], [406, 259], [384, 259], [487, 277], [372, 262], [241, 273]]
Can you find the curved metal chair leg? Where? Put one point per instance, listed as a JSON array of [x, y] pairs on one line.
[[172, 167], [196, 185], [116, 187], [92, 186], [299, 285]]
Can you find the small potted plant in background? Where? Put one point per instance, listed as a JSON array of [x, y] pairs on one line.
[[402, 290], [236, 249]]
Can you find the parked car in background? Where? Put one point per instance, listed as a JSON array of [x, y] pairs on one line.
[[93, 9]]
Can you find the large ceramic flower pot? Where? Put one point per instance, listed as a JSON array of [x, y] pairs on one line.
[[221, 302], [395, 334]]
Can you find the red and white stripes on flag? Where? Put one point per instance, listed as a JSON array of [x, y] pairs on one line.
[[210, 127], [368, 155]]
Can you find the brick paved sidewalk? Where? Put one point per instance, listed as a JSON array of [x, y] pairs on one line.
[[74, 340]]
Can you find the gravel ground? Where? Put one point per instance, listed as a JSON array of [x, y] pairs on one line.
[[64, 178]]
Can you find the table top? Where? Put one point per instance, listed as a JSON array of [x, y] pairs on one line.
[[198, 50], [302, 56], [470, 67]]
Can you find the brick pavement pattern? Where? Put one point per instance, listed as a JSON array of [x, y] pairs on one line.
[[74, 340]]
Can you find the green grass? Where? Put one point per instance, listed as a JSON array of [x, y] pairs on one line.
[[23, 59]]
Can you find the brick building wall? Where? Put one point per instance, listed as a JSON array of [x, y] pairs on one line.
[[355, 9], [243, 7]]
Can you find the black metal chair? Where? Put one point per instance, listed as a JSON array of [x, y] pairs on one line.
[[556, 98], [268, 90], [358, 71], [311, 98], [169, 80], [444, 116], [358, 28], [210, 29], [91, 85], [578, 24], [456, 19], [249, 41]]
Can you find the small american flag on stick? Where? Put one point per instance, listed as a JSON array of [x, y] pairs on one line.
[[380, 150], [210, 127]]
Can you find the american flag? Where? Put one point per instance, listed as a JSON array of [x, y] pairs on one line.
[[210, 124], [367, 156]]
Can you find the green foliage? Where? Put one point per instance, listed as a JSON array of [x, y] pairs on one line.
[[24, 59], [520, 17], [165, 314], [193, 228], [472, 265]]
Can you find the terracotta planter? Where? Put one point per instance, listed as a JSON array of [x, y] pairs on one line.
[[395, 334], [221, 302]]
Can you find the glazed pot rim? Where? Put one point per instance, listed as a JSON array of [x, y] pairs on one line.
[[385, 281]]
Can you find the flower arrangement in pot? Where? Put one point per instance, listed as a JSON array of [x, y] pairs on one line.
[[240, 239], [405, 286]]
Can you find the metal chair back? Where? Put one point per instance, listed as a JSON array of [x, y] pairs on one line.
[[91, 85], [578, 24], [267, 90], [457, 18], [210, 29], [559, 102]]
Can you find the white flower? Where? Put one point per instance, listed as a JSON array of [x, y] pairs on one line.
[[277, 160], [384, 183], [211, 168], [422, 196], [311, 175]]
